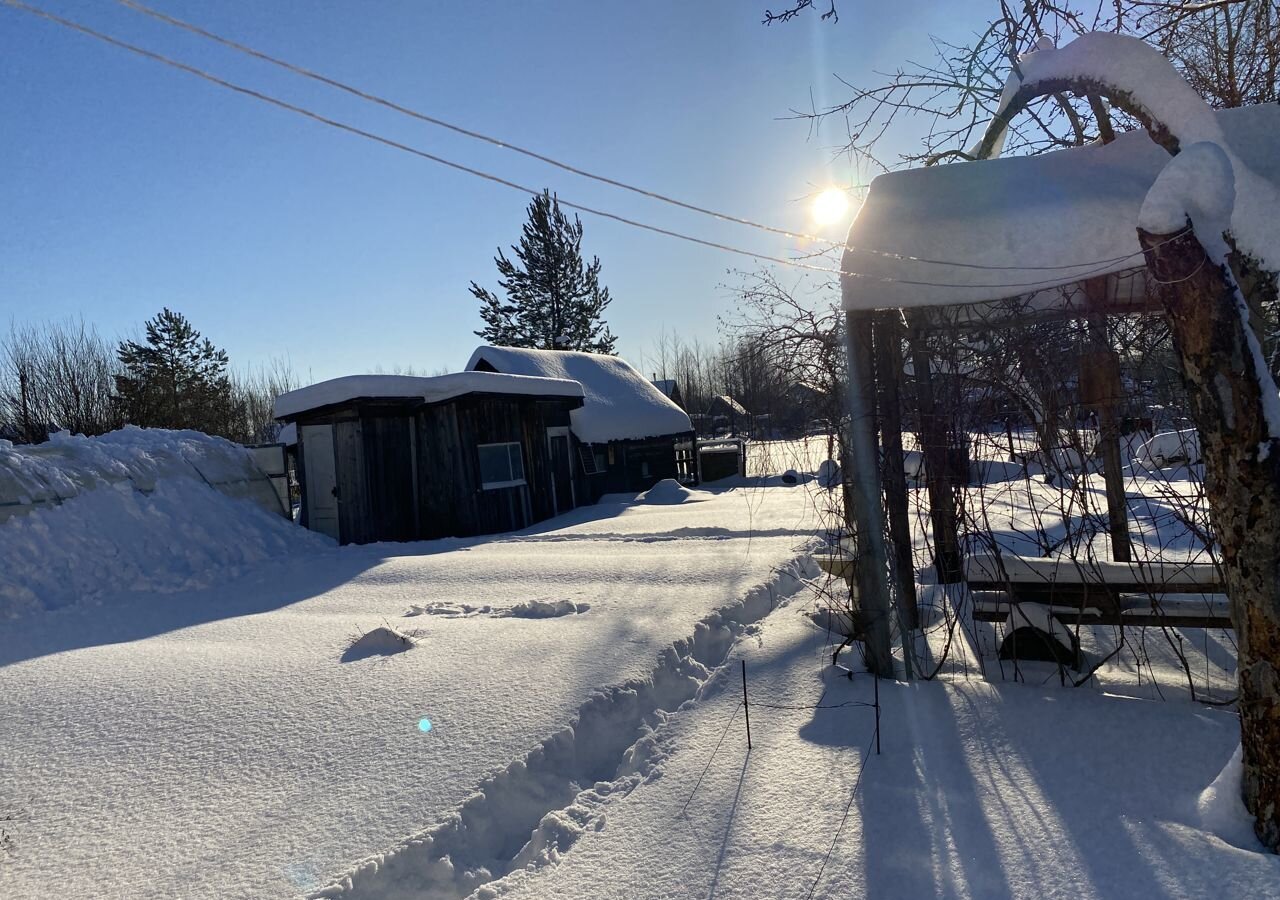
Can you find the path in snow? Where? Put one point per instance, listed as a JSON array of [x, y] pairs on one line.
[[982, 791], [213, 743]]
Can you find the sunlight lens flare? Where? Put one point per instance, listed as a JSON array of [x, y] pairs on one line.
[[830, 206]]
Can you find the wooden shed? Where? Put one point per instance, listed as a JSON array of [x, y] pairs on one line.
[[401, 458], [627, 435]]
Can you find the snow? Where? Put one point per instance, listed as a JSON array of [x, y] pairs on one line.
[[981, 790], [621, 404], [669, 491], [214, 744], [1169, 447], [560, 719], [381, 641], [147, 509], [433, 389], [1077, 209], [1222, 811]]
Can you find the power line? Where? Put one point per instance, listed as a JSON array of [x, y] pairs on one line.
[[360, 132], [551, 161]]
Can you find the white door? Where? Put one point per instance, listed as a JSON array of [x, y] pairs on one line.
[[322, 481]]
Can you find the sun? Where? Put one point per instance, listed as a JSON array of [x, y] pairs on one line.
[[830, 206]]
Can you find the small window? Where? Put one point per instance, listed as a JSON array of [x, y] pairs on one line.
[[501, 465]]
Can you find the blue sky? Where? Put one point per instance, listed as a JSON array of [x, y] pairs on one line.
[[127, 186]]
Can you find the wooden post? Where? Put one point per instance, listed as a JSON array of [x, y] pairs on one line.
[[888, 334], [863, 482], [746, 709], [1228, 387], [1102, 376], [937, 468]]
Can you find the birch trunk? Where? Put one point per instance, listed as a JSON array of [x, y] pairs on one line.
[[1242, 474]]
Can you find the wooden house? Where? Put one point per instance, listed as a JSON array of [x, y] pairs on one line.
[[728, 417], [670, 389], [627, 435], [400, 458]]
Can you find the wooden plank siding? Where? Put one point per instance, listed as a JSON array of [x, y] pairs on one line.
[[409, 471]]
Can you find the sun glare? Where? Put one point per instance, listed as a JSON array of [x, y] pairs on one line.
[[830, 206]]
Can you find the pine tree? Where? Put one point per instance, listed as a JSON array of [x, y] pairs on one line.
[[553, 301], [176, 379]]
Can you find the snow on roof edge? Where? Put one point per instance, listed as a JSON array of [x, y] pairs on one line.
[[431, 389], [1076, 207]]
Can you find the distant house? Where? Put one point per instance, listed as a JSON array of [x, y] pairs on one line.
[[669, 389], [627, 434], [399, 457], [727, 416]]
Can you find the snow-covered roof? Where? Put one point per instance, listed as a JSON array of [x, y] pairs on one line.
[[1074, 209], [620, 403], [729, 403], [433, 389]]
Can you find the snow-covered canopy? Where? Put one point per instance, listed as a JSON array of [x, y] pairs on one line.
[[1077, 210], [433, 389], [621, 404]]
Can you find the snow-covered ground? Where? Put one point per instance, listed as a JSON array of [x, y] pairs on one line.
[[554, 714], [225, 741]]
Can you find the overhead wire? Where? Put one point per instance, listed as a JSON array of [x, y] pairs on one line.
[[370, 97], [1101, 265]]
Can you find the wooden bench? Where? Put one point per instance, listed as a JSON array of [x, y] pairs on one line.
[[1107, 593]]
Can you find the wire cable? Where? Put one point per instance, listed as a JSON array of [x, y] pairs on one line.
[[1105, 265], [845, 818], [551, 161]]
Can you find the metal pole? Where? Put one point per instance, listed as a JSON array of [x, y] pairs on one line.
[[863, 467], [745, 708]]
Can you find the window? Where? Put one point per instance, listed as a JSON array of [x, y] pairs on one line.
[[501, 465]]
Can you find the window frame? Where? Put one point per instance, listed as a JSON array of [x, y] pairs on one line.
[[511, 482]]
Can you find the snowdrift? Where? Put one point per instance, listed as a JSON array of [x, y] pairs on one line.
[[137, 510]]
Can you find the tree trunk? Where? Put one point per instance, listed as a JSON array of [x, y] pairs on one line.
[[937, 469], [888, 331], [1242, 475]]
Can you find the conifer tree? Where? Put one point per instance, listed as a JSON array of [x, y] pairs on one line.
[[175, 379], [553, 300]]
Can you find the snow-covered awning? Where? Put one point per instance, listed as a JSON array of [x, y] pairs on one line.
[[434, 389], [1030, 222], [620, 403]]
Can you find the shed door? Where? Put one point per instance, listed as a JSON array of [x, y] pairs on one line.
[[322, 483], [561, 469]]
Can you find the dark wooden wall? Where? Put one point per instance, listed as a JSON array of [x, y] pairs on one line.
[[382, 497], [625, 470]]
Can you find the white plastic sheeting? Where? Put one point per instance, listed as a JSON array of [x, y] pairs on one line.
[[43, 475]]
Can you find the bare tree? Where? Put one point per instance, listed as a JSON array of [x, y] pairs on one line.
[[1229, 50], [57, 375]]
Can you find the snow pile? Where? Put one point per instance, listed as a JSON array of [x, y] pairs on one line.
[[1222, 811], [621, 404], [48, 474], [381, 641], [668, 491], [546, 609], [433, 389], [1169, 447], [138, 510]]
